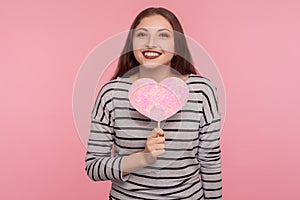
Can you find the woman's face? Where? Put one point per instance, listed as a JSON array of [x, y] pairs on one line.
[[153, 41]]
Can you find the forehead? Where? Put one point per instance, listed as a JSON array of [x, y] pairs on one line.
[[155, 21]]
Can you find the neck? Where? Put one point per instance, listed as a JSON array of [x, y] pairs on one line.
[[158, 73]]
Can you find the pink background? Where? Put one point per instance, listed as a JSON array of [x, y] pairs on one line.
[[255, 45]]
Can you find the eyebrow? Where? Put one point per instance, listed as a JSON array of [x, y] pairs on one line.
[[162, 29]]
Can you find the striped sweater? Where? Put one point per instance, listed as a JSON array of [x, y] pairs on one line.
[[190, 168]]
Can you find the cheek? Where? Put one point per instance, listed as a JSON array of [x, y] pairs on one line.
[[138, 56], [168, 46], [168, 55], [138, 44]]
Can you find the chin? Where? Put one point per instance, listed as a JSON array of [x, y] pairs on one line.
[[153, 65]]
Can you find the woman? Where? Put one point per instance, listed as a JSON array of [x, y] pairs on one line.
[[183, 159]]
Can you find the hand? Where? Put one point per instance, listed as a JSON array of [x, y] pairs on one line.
[[155, 145]]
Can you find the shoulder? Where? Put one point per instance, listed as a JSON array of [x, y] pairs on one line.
[[199, 82], [115, 84]]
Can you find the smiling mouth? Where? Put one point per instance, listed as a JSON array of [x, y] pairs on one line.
[[151, 54]]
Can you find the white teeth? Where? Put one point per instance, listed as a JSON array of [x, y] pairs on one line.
[[151, 54]]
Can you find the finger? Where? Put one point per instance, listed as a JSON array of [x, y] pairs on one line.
[[156, 132], [159, 140], [153, 134], [159, 130], [159, 146], [161, 133], [152, 142]]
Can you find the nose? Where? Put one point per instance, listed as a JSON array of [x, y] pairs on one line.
[[151, 42]]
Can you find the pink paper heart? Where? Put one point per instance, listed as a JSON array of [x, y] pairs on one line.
[[158, 101]]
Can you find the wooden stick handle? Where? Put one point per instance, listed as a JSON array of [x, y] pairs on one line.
[[158, 124]]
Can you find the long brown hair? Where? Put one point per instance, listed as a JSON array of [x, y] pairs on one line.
[[181, 62]]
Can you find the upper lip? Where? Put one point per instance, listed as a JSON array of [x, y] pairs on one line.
[[151, 51]]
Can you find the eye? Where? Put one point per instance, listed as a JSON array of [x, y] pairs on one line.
[[141, 34], [164, 35]]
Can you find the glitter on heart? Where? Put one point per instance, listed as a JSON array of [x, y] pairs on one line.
[[158, 101]]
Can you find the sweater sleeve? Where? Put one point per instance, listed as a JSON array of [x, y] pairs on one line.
[[209, 152], [100, 164]]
